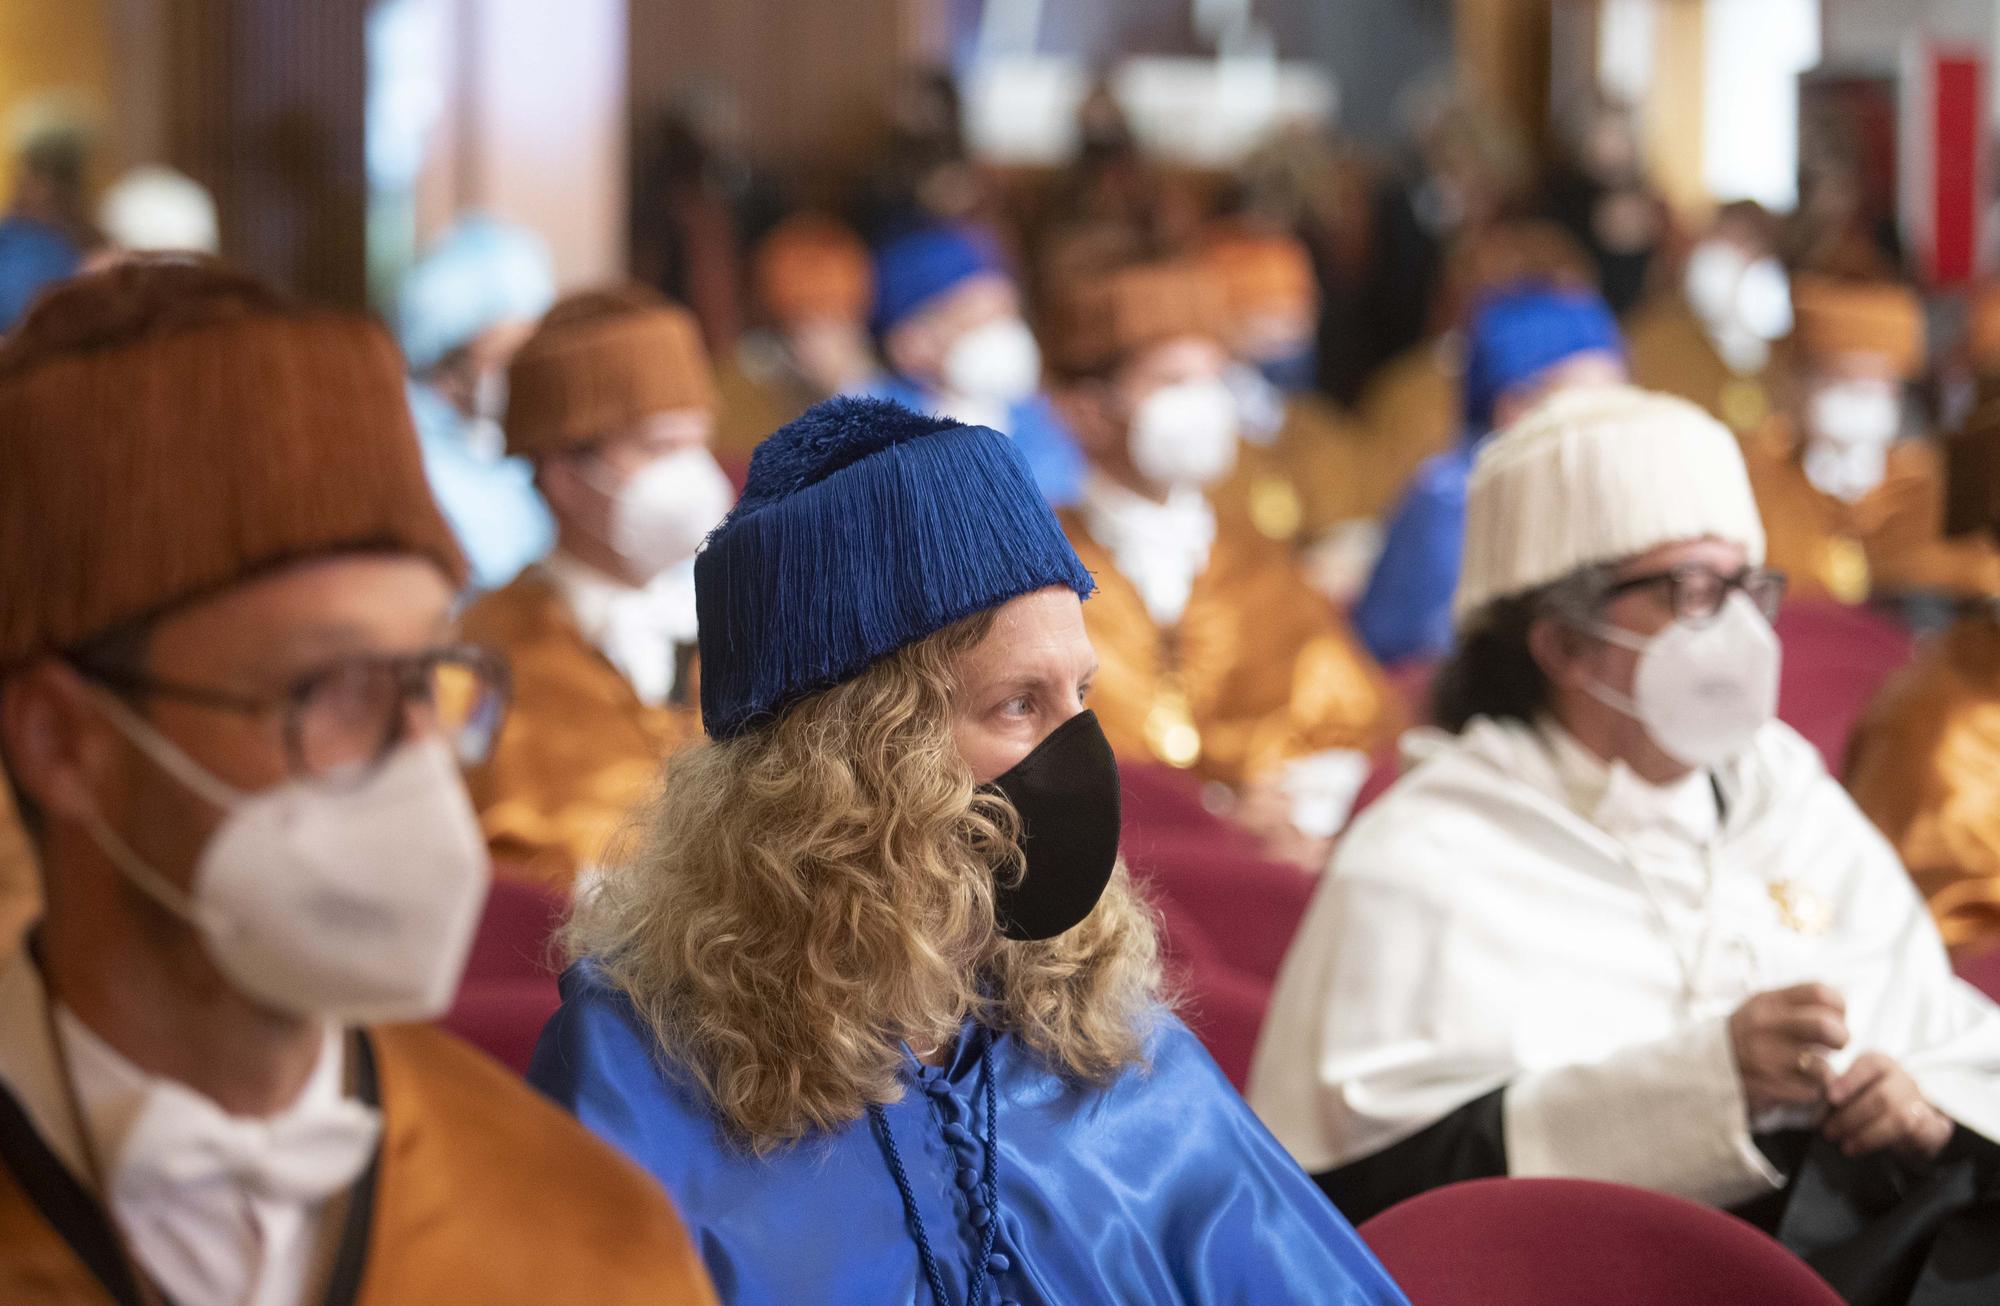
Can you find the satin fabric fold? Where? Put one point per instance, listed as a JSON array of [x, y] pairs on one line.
[[1159, 1188]]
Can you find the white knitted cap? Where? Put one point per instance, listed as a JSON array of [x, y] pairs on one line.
[[1596, 475]]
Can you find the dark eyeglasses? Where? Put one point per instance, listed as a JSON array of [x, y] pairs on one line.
[[341, 721], [1697, 592]]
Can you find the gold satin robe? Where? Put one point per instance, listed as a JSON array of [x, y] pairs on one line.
[[1322, 469], [1670, 352], [581, 751], [1892, 541], [755, 395], [1259, 671], [1925, 766], [484, 1192], [1412, 410]]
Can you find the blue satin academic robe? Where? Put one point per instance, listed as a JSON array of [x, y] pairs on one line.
[[1406, 610], [492, 504], [1160, 1188]]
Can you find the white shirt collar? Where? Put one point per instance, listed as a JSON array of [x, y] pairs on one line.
[[1613, 797], [1159, 547], [640, 628]]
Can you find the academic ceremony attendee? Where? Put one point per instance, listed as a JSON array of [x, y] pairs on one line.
[[1524, 343], [876, 1001], [1714, 340], [612, 400], [232, 709], [948, 314], [812, 287], [463, 309], [1217, 655], [1853, 500], [45, 233], [1620, 924]]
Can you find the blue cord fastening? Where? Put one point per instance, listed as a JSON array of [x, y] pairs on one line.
[[989, 1190]]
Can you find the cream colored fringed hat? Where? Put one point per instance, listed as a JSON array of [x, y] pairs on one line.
[[1593, 476]]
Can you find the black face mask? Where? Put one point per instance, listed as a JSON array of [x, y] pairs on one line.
[[1067, 794]]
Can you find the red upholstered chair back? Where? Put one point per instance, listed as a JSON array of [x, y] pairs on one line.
[[1572, 1242], [509, 990], [1983, 972], [1836, 658]]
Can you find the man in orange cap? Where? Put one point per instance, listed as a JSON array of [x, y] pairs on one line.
[[1304, 465], [613, 402], [813, 284], [233, 708], [1854, 509], [1285, 717]]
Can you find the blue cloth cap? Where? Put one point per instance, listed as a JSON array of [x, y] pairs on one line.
[[1521, 332], [864, 527], [914, 269]]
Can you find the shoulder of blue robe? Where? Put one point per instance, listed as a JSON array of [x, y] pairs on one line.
[[32, 255], [1405, 611], [1053, 457], [1158, 1187], [492, 504]]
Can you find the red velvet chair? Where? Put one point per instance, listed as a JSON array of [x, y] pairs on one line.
[[1222, 1005], [1836, 658], [1573, 1242], [1983, 972], [509, 989]]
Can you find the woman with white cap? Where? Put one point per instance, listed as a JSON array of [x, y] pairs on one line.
[[1617, 922]]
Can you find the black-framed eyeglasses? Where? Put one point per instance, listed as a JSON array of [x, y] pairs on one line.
[[341, 721], [1698, 591]]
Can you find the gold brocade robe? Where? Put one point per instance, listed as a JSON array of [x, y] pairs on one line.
[[1322, 469], [1925, 766], [1260, 668], [483, 1192], [581, 751], [1413, 409], [1670, 352], [1891, 541], [754, 396]]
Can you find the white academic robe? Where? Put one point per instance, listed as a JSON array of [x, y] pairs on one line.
[[1477, 932]]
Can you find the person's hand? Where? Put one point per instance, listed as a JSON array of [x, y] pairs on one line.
[[1876, 1105], [1781, 1039]]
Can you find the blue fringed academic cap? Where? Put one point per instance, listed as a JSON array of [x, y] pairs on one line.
[[864, 527], [913, 269], [1524, 330]]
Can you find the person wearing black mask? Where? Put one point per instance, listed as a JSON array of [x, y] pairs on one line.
[[873, 997]]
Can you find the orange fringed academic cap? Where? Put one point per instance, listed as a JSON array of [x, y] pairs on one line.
[[1262, 273], [813, 268], [1836, 317], [1099, 320], [169, 426], [601, 361]]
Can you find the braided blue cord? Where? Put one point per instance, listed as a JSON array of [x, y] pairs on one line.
[[989, 1187]]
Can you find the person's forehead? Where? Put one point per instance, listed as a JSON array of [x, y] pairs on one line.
[[357, 602], [1180, 356], [1039, 630], [1723, 555]]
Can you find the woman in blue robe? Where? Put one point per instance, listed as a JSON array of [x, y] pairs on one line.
[[872, 996], [1523, 344]]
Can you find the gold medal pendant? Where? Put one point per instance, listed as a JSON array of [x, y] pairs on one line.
[[1171, 733], [1744, 405], [1844, 567], [1275, 509], [1800, 910]]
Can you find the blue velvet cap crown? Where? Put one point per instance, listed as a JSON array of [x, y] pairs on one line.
[[1520, 332], [864, 527], [916, 267]]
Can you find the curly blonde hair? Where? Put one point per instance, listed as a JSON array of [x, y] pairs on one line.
[[810, 894]]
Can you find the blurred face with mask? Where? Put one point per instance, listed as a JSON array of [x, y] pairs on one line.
[[971, 347], [1739, 290], [1858, 345], [1166, 420]]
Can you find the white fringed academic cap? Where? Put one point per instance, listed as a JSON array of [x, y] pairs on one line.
[[1594, 476]]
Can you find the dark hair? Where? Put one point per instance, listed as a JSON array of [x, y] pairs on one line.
[[1492, 672]]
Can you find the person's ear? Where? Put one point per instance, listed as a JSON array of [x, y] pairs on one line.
[[57, 744], [1090, 409], [1558, 649]]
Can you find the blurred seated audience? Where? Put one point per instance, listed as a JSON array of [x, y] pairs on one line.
[[463, 309], [613, 401], [1602, 196], [1853, 499], [877, 1003], [46, 231], [1216, 654], [1618, 923], [232, 708], [812, 287], [948, 315], [1523, 343], [1714, 340]]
